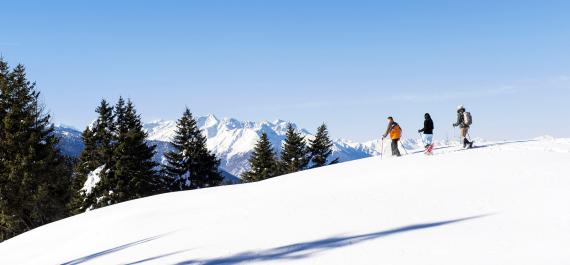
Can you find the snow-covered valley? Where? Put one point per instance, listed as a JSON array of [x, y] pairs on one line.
[[501, 203]]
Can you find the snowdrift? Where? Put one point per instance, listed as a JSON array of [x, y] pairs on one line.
[[501, 203]]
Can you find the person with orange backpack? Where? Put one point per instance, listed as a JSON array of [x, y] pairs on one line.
[[395, 132]]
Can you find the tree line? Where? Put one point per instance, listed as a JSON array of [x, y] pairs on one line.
[[39, 185], [296, 155]]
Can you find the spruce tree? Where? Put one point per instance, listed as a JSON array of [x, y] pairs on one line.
[[103, 132], [86, 163], [98, 150], [34, 176], [294, 153], [263, 163], [4, 88], [191, 165], [320, 148], [131, 172]]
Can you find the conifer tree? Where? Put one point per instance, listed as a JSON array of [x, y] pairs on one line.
[[4, 88], [320, 148], [34, 177], [131, 172], [86, 163], [97, 152], [294, 153], [191, 165], [263, 162], [103, 132]]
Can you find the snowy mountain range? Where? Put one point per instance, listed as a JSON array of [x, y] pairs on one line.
[[233, 141]]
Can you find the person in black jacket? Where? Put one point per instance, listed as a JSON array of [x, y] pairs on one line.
[[427, 130]]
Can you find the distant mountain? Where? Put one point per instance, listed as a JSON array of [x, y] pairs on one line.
[[70, 142], [233, 141]]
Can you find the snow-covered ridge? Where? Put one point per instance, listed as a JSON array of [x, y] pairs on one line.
[[501, 203]]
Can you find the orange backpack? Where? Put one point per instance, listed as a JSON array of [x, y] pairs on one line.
[[396, 132]]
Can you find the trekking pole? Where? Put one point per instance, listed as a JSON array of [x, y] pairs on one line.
[[406, 151], [454, 135], [382, 149]]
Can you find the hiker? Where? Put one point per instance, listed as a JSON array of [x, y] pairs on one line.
[[464, 122], [395, 133], [427, 133]]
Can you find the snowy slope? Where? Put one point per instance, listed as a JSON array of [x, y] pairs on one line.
[[502, 203]]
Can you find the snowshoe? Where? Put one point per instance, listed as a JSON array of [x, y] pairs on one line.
[[429, 149]]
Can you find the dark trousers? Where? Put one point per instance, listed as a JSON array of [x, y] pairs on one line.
[[395, 150]]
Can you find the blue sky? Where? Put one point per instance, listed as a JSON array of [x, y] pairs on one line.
[[348, 63]]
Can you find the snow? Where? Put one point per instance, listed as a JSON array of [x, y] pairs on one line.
[[502, 203], [92, 179], [160, 130]]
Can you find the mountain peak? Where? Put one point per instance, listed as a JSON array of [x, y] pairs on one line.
[[280, 121], [211, 120]]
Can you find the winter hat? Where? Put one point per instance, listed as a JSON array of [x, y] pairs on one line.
[[460, 107]]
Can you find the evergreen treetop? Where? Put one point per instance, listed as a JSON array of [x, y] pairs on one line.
[[263, 163], [320, 148], [191, 165], [294, 153]]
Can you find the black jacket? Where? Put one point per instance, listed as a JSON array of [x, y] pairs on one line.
[[428, 126]]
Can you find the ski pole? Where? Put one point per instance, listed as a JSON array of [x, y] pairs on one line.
[[458, 136], [382, 149], [406, 151]]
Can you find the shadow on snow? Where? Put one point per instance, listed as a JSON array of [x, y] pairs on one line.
[[288, 252], [112, 250], [306, 249]]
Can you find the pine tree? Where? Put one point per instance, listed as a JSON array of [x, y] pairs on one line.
[[131, 172], [294, 153], [320, 148], [4, 88], [263, 162], [86, 163], [190, 165], [97, 152], [103, 132], [34, 176]]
